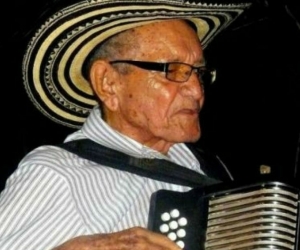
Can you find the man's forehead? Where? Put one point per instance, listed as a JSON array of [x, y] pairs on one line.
[[165, 41], [163, 30], [161, 24]]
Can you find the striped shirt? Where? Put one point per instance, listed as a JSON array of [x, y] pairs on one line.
[[54, 195]]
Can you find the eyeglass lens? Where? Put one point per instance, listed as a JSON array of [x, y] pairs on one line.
[[178, 72], [181, 72]]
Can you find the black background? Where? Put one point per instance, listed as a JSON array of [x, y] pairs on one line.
[[252, 112]]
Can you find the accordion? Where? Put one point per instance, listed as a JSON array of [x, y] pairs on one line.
[[262, 215]]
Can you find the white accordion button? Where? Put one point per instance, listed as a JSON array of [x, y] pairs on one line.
[[173, 224], [181, 233], [182, 221], [165, 216], [175, 213], [172, 236], [180, 243], [164, 228]]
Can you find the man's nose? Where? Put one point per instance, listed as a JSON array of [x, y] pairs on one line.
[[193, 87]]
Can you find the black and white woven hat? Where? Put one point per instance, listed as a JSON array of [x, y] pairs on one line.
[[52, 65]]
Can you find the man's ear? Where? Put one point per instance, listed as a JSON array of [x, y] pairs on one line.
[[103, 80]]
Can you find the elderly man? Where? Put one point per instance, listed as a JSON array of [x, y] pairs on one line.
[[148, 80]]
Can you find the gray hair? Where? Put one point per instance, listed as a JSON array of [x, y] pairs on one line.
[[113, 48]]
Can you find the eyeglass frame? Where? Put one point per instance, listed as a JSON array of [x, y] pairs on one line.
[[163, 67]]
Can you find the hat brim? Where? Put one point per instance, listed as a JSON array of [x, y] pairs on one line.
[[53, 62]]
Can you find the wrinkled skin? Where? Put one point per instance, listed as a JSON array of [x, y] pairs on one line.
[[152, 110]]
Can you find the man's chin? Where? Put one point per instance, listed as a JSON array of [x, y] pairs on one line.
[[189, 137], [194, 138]]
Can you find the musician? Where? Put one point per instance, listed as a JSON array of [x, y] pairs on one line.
[[136, 70]]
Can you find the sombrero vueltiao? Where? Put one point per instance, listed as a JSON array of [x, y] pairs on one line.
[[52, 65]]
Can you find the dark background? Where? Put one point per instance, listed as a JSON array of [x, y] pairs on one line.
[[252, 112]]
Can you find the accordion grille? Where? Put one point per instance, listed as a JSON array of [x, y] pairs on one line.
[[264, 218]]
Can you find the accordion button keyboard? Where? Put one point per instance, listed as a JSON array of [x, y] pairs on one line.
[[173, 226]]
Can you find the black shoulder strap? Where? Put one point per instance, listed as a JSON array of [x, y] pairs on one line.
[[157, 169]]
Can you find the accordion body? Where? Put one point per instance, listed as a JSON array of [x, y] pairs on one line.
[[263, 215]]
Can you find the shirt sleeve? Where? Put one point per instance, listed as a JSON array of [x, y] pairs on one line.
[[37, 210]]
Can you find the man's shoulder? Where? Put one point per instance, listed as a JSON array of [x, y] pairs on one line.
[[52, 157], [44, 152]]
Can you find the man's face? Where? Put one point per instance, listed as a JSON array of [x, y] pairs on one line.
[[153, 110]]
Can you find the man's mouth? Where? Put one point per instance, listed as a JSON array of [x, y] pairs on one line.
[[188, 111]]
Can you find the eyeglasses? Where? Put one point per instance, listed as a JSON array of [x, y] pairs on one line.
[[175, 71]]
